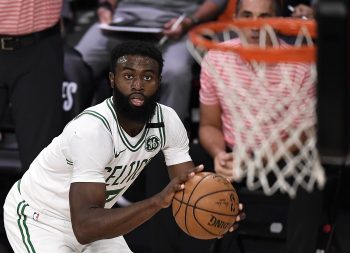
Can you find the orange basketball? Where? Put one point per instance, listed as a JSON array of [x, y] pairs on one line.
[[207, 207]]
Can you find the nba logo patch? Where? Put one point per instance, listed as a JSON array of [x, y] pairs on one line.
[[152, 143]]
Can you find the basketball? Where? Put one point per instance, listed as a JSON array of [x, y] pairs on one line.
[[207, 207]]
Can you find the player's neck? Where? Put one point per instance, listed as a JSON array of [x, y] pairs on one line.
[[132, 128]]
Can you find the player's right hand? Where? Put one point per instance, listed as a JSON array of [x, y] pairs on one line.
[[165, 197], [104, 15]]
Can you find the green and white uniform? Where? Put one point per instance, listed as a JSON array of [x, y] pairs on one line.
[[92, 148]]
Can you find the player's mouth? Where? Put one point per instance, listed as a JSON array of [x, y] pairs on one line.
[[136, 99]]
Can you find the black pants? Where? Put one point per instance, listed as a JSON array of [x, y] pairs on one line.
[[31, 81]]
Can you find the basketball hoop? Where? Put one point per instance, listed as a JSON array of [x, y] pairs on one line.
[[274, 120]]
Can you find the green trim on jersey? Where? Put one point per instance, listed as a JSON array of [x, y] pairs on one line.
[[97, 115], [122, 135], [22, 224]]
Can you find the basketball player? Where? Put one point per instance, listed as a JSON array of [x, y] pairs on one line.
[[62, 203], [216, 129]]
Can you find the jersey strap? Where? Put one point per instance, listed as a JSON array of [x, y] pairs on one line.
[[161, 121], [155, 125]]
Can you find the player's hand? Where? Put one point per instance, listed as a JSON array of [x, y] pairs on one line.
[[241, 216], [223, 165], [165, 197], [104, 15]]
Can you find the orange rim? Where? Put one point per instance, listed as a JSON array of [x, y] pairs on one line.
[[286, 26]]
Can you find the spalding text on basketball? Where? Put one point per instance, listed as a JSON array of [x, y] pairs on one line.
[[215, 222]]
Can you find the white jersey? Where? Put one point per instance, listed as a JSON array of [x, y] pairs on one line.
[[94, 148]]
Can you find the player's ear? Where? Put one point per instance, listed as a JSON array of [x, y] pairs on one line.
[[111, 79]]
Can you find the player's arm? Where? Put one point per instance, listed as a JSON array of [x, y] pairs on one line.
[[91, 221], [211, 138], [178, 169], [176, 148]]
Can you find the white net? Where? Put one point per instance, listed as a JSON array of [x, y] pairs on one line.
[[269, 109]]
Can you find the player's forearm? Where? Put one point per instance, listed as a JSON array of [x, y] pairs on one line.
[[100, 223], [212, 140]]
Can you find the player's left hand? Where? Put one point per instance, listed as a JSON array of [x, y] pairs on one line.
[[241, 216]]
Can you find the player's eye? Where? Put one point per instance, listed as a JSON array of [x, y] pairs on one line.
[[147, 78], [128, 76]]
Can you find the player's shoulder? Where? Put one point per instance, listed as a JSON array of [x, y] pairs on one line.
[[165, 111], [165, 108], [99, 115], [104, 108], [167, 115]]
